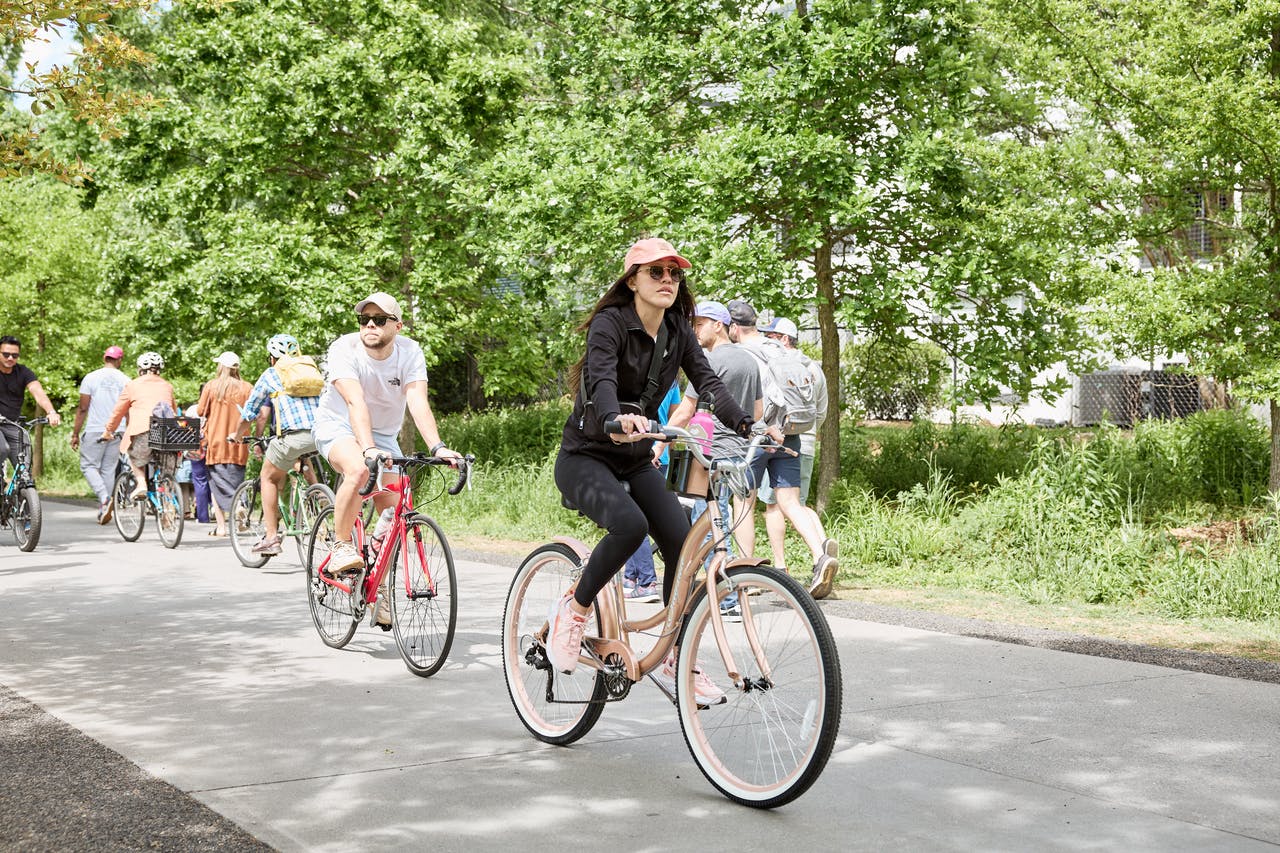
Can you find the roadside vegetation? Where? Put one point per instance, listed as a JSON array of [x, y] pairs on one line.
[[1167, 523]]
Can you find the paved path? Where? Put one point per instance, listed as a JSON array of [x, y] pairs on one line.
[[209, 677]]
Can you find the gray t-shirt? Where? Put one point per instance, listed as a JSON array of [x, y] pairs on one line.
[[103, 387], [738, 371]]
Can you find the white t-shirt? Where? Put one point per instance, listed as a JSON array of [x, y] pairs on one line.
[[383, 382], [103, 387]]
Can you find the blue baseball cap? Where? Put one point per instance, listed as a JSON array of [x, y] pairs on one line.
[[713, 311]]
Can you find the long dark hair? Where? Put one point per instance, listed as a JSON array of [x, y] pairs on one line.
[[620, 294]]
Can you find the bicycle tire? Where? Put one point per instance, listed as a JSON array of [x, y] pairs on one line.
[[539, 583], [771, 741], [27, 518], [169, 510], [314, 500], [128, 515], [333, 611], [422, 583], [245, 524]]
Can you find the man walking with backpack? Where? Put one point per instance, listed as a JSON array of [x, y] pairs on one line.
[[291, 385], [789, 404]]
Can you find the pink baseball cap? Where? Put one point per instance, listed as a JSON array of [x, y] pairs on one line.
[[652, 249], [113, 352]]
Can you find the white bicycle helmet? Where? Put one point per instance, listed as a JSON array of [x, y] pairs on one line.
[[150, 361], [281, 345]]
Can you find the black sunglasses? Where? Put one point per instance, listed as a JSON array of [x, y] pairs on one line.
[[379, 321], [655, 273], [12, 355]]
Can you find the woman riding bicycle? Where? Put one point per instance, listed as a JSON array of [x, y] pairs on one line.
[[617, 379]]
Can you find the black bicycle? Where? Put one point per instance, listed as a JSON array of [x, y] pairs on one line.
[[19, 501]]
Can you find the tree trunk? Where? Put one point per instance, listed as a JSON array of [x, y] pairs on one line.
[[829, 433], [1273, 482]]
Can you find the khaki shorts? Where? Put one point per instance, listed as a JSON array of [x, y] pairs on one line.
[[287, 447], [140, 450]]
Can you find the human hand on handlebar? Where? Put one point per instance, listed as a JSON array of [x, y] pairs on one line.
[[633, 428], [376, 454]]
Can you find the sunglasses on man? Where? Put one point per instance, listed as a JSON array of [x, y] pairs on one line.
[[11, 354], [378, 320]]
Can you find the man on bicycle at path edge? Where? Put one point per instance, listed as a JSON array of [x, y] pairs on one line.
[[294, 418], [373, 376]]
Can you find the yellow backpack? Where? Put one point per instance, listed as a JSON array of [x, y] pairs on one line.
[[299, 376]]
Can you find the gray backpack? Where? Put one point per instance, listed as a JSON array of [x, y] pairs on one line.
[[790, 392]]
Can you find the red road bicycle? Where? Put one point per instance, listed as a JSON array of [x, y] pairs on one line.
[[414, 559]]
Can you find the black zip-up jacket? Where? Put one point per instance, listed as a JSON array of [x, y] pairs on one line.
[[616, 372]]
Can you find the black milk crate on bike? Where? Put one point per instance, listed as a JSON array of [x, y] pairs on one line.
[[685, 475], [174, 434]]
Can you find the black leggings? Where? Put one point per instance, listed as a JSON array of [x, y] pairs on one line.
[[595, 488]]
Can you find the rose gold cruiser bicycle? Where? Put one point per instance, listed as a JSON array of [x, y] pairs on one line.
[[771, 739]]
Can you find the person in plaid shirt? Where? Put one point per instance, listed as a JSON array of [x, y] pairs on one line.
[[294, 418]]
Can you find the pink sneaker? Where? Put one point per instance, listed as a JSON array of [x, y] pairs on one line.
[[564, 635], [703, 687]]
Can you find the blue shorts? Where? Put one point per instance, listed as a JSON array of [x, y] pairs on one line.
[[331, 434], [783, 468]]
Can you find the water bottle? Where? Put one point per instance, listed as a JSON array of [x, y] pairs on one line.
[[702, 428], [382, 527]]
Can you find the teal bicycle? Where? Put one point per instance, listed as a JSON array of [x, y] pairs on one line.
[[19, 501], [300, 501], [163, 500]]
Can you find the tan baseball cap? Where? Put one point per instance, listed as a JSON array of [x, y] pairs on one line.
[[385, 301]]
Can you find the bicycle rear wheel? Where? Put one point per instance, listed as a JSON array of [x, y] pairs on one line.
[[169, 511], [332, 610], [771, 741], [127, 513], [26, 518], [314, 500], [245, 523], [424, 610], [554, 707]]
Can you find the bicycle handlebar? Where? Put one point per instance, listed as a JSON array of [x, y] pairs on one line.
[[762, 441], [376, 464], [25, 423]]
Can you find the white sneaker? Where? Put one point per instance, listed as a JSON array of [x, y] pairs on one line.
[[704, 689], [343, 557]]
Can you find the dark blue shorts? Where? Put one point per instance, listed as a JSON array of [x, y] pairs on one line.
[[783, 468]]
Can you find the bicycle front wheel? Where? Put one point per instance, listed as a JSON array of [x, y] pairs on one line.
[[313, 501], [554, 707], [26, 518], [773, 737], [332, 610], [127, 513], [424, 610], [246, 525], [169, 510]]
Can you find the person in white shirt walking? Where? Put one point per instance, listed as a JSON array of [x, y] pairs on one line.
[[98, 459]]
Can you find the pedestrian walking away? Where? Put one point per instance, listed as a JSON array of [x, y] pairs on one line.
[[219, 405], [784, 469], [99, 391]]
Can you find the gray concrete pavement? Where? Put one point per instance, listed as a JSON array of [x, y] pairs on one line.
[[209, 677]]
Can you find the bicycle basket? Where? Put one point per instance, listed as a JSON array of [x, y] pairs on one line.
[[685, 475], [174, 433]]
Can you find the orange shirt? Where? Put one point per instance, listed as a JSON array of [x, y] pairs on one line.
[[221, 419], [139, 397]]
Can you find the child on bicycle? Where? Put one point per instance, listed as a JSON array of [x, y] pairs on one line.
[[135, 404], [650, 304]]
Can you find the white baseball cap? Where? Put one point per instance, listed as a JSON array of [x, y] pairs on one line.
[[228, 359]]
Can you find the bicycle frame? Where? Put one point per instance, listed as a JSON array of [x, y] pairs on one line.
[[21, 478], [610, 604], [398, 532]]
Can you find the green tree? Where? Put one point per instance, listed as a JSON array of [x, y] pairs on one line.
[[305, 153], [871, 160], [1184, 100], [77, 86]]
